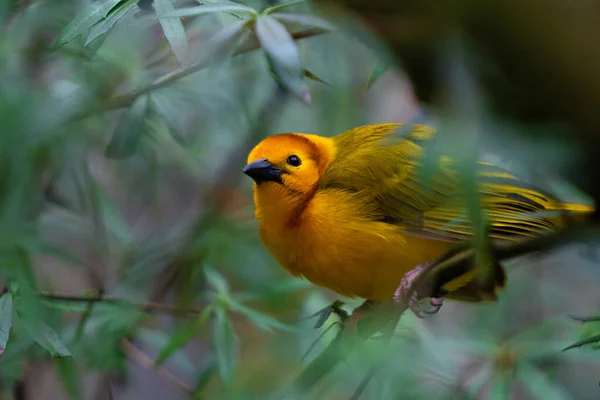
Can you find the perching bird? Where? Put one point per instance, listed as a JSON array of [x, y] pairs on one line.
[[350, 213]]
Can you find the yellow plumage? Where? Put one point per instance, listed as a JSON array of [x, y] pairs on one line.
[[354, 215]]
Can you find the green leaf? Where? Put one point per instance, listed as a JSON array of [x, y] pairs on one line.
[[312, 76], [173, 30], [262, 321], [539, 385], [157, 340], [103, 26], [6, 307], [85, 20], [199, 10], [183, 335], [204, 378], [225, 344], [216, 280], [129, 130], [379, 69], [585, 319], [280, 6], [45, 336], [590, 340], [309, 21], [70, 377], [282, 54]]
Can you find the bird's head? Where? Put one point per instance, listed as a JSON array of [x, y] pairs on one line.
[[289, 163]]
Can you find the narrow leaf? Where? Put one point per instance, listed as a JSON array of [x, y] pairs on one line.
[[85, 20], [225, 344], [309, 21], [312, 76], [182, 336], [379, 69], [46, 337], [6, 307], [283, 55], [590, 340], [199, 10], [280, 6], [585, 319], [204, 378], [103, 26], [173, 30], [216, 280], [70, 377], [261, 320], [129, 130], [539, 385]]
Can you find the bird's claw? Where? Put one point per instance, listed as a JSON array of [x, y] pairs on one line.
[[402, 294]]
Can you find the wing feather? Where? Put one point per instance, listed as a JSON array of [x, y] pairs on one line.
[[383, 161]]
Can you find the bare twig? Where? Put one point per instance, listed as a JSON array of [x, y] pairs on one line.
[[146, 306], [146, 362]]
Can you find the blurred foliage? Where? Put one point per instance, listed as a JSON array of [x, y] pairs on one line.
[[131, 263]]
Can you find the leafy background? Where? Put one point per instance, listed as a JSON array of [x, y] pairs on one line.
[[131, 264]]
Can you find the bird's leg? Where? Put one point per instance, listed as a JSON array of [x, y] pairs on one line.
[[401, 294]]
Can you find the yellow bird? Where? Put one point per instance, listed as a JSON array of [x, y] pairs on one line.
[[350, 213]]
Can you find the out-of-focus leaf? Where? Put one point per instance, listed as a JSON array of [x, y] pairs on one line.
[[283, 55], [307, 21], [225, 344], [261, 320], [129, 130], [204, 378], [216, 280], [207, 9], [164, 107], [318, 339], [183, 335], [92, 14], [585, 319], [590, 340], [173, 30], [45, 336], [104, 25], [70, 376], [379, 69], [6, 309], [312, 76], [499, 387], [227, 39], [157, 340], [539, 385], [279, 6], [475, 382]]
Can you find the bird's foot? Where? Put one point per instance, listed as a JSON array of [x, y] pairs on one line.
[[402, 294]]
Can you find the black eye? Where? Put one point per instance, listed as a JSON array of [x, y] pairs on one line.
[[294, 161]]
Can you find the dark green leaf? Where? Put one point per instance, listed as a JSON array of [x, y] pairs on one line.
[[207, 9], [6, 308], [312, 76], [183, 335], [129, 130], [282, 53], [379, 69], [173, 30], [225, 344], [323, 316], [94, 13], [104, 25], [70, 377], [585, 319], [539, 385], [204, 378], [157, 340], [583, 342]]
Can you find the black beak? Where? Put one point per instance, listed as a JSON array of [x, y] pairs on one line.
[[263, 171]]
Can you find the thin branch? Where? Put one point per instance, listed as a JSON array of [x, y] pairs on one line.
[[146, 306], [144, 361], [127, 99]]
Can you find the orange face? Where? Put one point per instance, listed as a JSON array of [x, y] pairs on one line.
[[286, 161]]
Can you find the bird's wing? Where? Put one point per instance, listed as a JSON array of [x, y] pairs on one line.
[[383, 162]]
